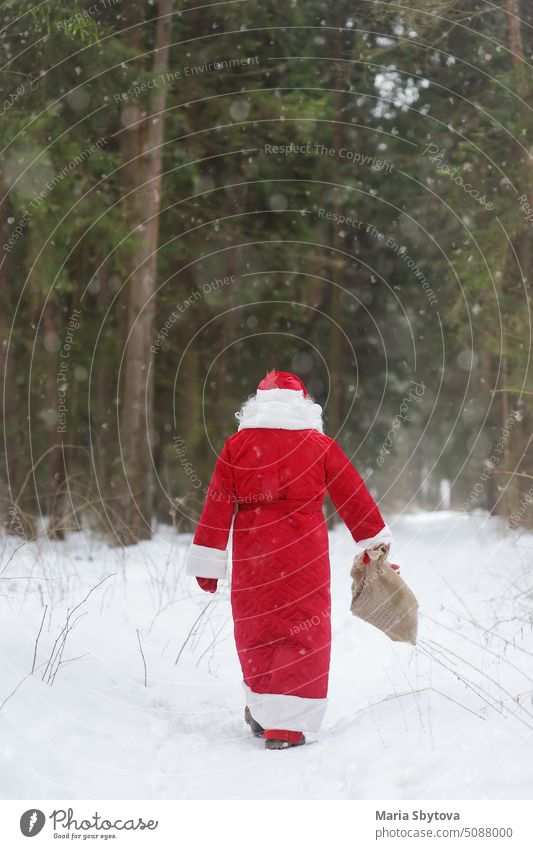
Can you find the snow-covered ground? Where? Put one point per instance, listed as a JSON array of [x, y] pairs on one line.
[[452, 718]]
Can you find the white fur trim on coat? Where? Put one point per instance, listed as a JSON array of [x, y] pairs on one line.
[[204, 562], [280, 408], [290, 713], [384, 536]]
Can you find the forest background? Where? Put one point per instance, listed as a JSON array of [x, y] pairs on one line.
[[191, 196]]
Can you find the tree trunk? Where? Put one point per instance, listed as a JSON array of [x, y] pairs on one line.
[[56, 460], [515, 35], [338, 263], [491, 498], [141, 172], [16, 518], [105, 437]]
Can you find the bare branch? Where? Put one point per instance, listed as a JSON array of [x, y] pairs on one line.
[[37, 641], [143, 657], [187, 638]]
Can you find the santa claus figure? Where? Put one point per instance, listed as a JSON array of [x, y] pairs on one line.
[[269, 483]]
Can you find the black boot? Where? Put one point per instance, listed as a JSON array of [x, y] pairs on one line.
[[255, 728]]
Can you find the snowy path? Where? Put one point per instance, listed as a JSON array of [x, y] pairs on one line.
[[402, 723]]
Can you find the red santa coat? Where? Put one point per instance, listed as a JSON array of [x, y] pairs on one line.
[[270, 481]]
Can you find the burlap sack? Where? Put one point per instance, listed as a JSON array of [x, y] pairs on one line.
[[382, 597]]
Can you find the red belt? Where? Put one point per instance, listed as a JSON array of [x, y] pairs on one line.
[[286, 505]]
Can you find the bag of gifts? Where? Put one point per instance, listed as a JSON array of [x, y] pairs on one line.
[[382, 598]]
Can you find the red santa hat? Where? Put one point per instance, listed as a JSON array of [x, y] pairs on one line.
[[282, 380]]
